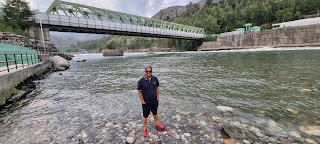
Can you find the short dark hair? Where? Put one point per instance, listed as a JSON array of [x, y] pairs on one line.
[[147, 67]]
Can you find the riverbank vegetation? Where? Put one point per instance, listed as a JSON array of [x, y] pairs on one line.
[[14, 17]]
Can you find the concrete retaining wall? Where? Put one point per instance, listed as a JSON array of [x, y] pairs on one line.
[[284, 37], [9, 81]]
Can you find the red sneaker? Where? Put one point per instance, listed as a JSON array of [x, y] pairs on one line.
[[145, 132], [159, 126]]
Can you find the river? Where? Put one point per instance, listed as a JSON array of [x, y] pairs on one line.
[[76, 105]]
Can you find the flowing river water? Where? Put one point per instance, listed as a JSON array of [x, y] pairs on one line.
[[97, 102]]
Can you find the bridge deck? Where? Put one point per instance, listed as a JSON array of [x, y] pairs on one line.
[[83, 25]]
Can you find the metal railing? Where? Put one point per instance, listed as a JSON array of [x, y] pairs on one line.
[[19, 60], [77, 22]]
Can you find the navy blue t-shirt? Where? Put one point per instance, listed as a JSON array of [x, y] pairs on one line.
[[148, 88]]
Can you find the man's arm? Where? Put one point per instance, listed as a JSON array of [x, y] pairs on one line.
[[141, 97], [157, 93]]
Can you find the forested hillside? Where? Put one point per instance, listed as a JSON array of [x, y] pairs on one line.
[[232, 14]]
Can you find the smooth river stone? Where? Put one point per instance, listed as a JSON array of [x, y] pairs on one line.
[[293, 112], [225, 108]]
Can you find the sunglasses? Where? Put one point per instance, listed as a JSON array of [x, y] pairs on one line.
[[148, 71]]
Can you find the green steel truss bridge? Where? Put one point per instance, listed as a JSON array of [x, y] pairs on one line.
[[72, 17]]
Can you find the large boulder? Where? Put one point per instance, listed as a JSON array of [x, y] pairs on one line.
[[110, 52], [59, 63]]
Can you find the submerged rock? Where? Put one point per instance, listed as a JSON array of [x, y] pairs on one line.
[[225, 108], [306, 90], [293, 112], [233, 132], [110, 52], [81, 60], [310, 130], [273, 127]]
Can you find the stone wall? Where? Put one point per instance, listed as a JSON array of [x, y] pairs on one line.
[[14, 39], [284, 37], [9, 81]]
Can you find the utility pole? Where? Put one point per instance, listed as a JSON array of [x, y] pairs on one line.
[[318, 17], [44, 45]]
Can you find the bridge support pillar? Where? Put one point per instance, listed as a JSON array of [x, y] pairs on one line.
[[35, 32]]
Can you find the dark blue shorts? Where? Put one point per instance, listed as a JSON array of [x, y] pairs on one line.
[[146, 108]]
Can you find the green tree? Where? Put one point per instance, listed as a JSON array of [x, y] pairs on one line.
[[209, 3], [112, 45], [17, 13]]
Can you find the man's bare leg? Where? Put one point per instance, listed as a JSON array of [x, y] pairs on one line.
[[144, 120], [155, 119]]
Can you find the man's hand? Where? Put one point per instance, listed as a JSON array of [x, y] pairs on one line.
[[141, 97]]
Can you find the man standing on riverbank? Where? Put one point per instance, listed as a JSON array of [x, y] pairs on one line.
[[148, 90]]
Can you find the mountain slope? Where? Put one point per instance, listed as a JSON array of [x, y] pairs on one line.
[[170, 12]]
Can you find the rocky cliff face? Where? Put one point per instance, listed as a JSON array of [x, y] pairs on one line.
[[174, 11], [169, 12]]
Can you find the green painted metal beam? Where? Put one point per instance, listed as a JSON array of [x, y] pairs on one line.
[[76, 10]]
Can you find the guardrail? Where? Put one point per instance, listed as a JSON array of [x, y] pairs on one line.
[[19, 60]]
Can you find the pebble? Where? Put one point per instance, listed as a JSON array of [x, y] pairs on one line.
[[94, 115], [130, 140], [132, 132], [84, 135], [216, 119], [294, 134], [203, 123], [109, 125], [178, 117], [187, 134]]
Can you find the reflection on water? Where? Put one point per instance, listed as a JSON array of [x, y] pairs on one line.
[[265, 84]]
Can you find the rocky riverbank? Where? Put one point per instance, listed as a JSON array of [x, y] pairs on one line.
[[184, 127]]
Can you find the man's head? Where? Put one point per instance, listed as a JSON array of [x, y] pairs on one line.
[[148, 71]]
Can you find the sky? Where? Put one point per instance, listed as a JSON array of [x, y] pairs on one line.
[[146, 8]]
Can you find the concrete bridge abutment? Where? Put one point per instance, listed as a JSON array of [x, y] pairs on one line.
[[35, 32]]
